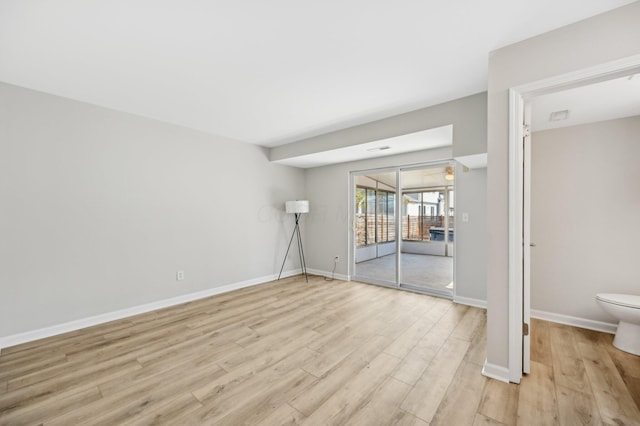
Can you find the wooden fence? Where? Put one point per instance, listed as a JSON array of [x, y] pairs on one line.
[[414, 228]]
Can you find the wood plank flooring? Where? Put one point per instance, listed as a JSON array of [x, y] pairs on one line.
[[317, 353]]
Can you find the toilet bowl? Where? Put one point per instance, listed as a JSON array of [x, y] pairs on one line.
[[626, 308]]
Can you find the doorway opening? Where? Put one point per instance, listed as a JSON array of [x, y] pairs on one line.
[[519, 196], [404, 228]]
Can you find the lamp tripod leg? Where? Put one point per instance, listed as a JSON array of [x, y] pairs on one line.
[[301, 252], [289, 247], [296, 233]]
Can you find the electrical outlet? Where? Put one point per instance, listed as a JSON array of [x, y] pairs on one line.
[[337, 259], [180, 275]]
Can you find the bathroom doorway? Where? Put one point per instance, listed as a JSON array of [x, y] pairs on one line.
[[562, 125]]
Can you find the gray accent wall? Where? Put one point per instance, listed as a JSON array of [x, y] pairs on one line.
[[99, 209], [585, 201], [327, 226], [471, 236], [607, 37]]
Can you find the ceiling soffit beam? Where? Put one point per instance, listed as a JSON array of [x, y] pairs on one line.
[[468, 116]]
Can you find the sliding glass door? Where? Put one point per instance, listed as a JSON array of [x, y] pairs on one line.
[[375, 227], [403, 228], [428, 229]]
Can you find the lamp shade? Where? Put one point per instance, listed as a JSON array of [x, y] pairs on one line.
[[298, 206]]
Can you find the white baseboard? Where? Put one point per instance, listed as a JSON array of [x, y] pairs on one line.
[[495, 372], [66, 327], [477, 303], [328, 274], [604, 327]]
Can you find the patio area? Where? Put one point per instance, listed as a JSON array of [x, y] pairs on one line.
[[419, 270]]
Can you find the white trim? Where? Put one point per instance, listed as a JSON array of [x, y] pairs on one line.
[[398, 226], [604, 327], [526, 237], [66, 327], [476, 303], [495, 372], [582, 77], [516, 114], [328, 274], [351, 225], [601, 72]]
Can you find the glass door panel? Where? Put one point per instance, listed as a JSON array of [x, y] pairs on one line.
[[374, 223], [426, 258], [404, 228]]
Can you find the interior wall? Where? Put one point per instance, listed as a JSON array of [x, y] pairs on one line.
[[584, 210], [326, 227], [471, 236], [607, 37], [101, 208], [327, 187]]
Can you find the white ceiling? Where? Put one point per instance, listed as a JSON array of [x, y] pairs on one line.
[[606, 100], [267, 72]]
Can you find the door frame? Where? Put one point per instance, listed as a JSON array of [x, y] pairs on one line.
[[519, 174], [352, 225], [411, 287], [398, 226]]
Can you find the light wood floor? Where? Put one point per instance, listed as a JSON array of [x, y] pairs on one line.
[[326, 352]]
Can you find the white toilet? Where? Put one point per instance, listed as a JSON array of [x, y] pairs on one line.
[[626, 308]]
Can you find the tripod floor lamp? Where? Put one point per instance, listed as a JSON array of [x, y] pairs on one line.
[[297, 208]]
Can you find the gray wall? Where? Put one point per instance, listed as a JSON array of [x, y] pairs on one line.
[[99, 209], [326, 228], [471, 236], [611, 36], [584, 210]]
